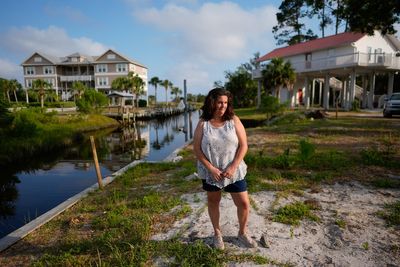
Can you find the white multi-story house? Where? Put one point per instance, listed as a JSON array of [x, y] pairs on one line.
[[327, 69], [94, 71]]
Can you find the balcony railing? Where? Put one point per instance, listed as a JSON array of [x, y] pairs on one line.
[[77, 78], [347, 60], [382, 60]]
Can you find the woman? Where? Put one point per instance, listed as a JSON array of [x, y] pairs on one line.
[[220, 144]]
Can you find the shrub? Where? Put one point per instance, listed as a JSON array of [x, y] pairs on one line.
[[355, 105], [91, 101], [306, 150], [271, 106], [283, 161], [372, 156], [5, 117]]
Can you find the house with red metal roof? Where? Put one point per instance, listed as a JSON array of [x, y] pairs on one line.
[[327, 69]]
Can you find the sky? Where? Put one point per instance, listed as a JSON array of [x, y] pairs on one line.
[[176, 39]]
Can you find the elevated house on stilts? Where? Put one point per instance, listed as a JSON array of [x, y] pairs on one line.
[[340, 68]]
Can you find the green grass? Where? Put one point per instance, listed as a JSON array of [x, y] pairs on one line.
[[250, 114], [293, 213], [33, 132], [341, 223], [391, 213]]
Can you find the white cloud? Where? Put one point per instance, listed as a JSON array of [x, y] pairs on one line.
[[53, 41], [196, 76], [10, 70], [207, 39], [214, 31]]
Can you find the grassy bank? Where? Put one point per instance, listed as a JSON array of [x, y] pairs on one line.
[[31, 132], [113, 227]]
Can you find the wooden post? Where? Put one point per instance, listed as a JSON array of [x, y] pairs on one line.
[[96, 163]]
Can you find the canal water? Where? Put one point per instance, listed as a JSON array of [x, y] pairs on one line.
[[44, 182]]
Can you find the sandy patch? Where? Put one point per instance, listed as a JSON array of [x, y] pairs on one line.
[[363, 241]]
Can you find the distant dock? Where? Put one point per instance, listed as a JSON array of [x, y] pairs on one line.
[[128, 115]]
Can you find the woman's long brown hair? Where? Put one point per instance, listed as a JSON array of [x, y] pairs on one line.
[[209, 106]]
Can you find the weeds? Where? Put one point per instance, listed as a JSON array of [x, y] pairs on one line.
[[391, 214], [306, 151], [292, 213], [386, 183], [341, 223]]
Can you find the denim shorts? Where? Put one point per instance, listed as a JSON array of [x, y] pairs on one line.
[[236, 187]]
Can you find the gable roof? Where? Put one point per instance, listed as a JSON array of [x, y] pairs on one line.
[[394, 41], [314, 45], [127, 58], [50, 58], [121, 94]]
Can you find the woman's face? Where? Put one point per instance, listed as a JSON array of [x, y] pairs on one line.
[[221, 105]]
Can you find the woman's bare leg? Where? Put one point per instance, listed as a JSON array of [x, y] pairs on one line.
[[213, 199], [242, 203]]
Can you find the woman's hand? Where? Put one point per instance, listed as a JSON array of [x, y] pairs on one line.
[[230, 171], [217, 174]]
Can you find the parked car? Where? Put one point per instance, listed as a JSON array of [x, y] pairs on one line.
[[392, 106]]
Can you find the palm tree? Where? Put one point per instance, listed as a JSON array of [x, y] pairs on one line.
[[79, 88], [137, 86], [14, 86], [5, 87], [273, 75], [278, 74], [121, 84], [41, 86], [155, 81], [167, 84], [176, 91], [289, 79]]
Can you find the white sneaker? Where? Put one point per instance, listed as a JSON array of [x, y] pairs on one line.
[[218, 242], [247, 241]]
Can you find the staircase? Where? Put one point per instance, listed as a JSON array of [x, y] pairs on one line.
[[336, 84]]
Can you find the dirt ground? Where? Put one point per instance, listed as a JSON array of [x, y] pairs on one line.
[[365, 240]]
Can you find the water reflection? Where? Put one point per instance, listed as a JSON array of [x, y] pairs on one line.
[[8, 195], [32, 188]]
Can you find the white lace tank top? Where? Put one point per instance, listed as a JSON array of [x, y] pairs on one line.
[[219, 146]]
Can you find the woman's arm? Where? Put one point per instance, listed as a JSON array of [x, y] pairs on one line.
[[198, 136], [242, 149]]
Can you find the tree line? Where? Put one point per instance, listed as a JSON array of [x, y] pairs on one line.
[[347, 15], [168, 85]]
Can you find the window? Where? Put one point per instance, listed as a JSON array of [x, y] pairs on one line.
[[28, 83], [102, 68], [111, 56], [121, 67], [74, 59], [102, 81], [48, 69], [30, 70], [308, 61], [369, 52], [378, 55], [37, 59]]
